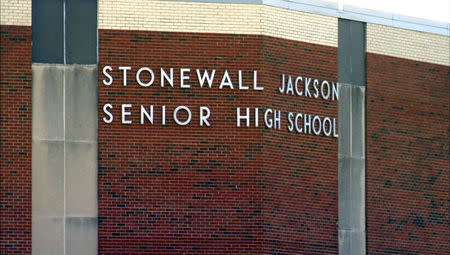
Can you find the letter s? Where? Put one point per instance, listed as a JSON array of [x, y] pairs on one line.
[[105, 110], [105, 73]]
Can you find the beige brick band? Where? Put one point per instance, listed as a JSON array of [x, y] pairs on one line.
[[408, 44], [175, 16], [15, 12], [299, 26]]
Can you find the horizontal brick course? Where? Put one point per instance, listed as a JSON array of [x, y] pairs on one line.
[[15, 12], [408, 44], [179, 16], [257, 19]]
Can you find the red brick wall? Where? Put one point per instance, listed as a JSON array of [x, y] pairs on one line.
[[407, 156], [219, 189], [173, 189], [15, 140], [224, 189], [300, 171]]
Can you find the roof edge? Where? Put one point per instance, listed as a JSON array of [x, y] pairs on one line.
[[348, 12]]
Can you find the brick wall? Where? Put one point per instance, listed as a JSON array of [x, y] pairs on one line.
[[174, 189], [15, 12], [15, 140], [220, 189], [274, 191], [408, 44], [231, 18], [223, 189], [300, 170], [407, 156]]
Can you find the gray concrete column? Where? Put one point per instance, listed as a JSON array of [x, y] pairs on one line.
[[64, 127], [351, 142]]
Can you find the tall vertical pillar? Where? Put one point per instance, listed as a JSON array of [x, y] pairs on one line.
[[64, 127], [351, 143]]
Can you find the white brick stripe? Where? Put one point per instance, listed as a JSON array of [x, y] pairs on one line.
[[15, 12], [177, 16], [408, 44], [174, 16], [299, 26]]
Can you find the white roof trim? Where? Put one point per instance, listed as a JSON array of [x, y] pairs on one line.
[[348, 12]]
